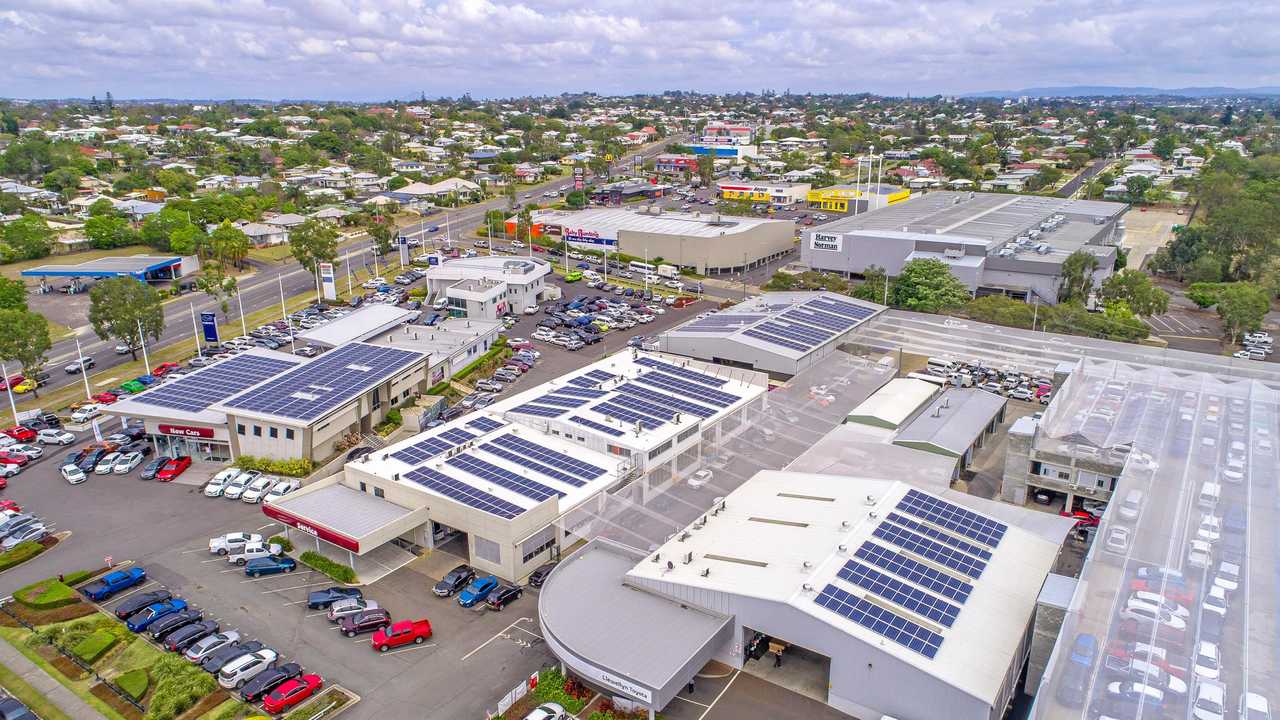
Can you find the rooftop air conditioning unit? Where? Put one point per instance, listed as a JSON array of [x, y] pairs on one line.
[[953, 253]]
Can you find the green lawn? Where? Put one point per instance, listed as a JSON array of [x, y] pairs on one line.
[[37, 703], [275, 253], [12, 270], [17, 638]]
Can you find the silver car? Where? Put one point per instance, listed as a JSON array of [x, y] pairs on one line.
[[208, 646]]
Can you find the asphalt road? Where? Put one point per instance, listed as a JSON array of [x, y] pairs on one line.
[[1087, 174]]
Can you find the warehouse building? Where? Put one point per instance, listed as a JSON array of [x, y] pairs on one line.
[[860, 197], [1011, 245], [707, 243], [780, 333], [880, 599]]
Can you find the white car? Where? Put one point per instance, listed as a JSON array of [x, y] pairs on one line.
[[85, 414], [225, 544], [1228, 577], [1152, 613], [1215, 601], [531, 309], [72, 474], [6, 441], [8, 471], [1200, 555], [1210, 529], [547, 711], [1254, 707], [699, 479], [53, 436], [1208, 664], [253, 550], [1210, 702], [1234, 472], [127, 463], [1118, 539], [105, 465], [256, 489], [281, 488], [33, 452], [241, 670], [219, 482], [236, 486]]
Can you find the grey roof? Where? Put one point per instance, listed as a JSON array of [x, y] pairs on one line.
[[342, 509], [362, 324], [954, 420], [581, 605]]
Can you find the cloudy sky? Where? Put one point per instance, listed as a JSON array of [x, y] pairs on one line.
[[380, 49]]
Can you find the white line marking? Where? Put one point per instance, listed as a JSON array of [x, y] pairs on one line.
[[318, 614], [530, 632], [411, 647], [264, 527], [205, 562], [496, 636], [692, 702], [295, 602], [185, 552], [140, 587], [723, 690], [295, 587]]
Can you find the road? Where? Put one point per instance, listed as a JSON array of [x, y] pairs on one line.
[[1087, 174], [263, 288]]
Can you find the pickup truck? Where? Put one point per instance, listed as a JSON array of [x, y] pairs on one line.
[[114, 582], [401, 633]]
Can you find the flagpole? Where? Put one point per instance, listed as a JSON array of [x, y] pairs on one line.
[[195, 328], [284, 312], [84, 371], [240, 301], [347, 258], [142, 341], [4, 372]]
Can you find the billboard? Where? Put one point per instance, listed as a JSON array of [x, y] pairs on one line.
[[328, 283], [826, 241], [209, 327], [577, 178]]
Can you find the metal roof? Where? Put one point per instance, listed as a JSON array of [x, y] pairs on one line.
[[343, 509], [608, 221], [954, 420], [135, 265], [892, 404], [361, 324]]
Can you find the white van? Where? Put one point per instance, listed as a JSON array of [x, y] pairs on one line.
[[1132, 505], [940, 366], [1210, 493]]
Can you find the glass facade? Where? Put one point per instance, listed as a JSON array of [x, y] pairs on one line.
[[200, 449]]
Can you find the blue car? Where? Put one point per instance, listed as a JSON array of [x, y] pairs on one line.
[[584, 266], [151, 613], [146, 379], [477, 591], [270, 566], [434, 228]]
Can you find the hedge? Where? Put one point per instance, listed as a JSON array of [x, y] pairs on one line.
[[282, 541], [79, 576], [134, 683], [94, 646], [336, 570], [297, 467], [47, 594], [499, 350], [20, 553]]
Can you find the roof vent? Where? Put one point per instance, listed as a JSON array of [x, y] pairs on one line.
[[688, 558], [871, 500], [873, 515], [807, 565], [842, 548], [807, 587], [844, 524], [385, 456], [656, 557], [684, 536], [395, 477], [705, 572], [670, 565]]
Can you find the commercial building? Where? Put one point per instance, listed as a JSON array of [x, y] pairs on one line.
[[361, 324], [486, 287], [708, 243], [995, 244], [717, 132], [879, 598], [724, 151], [862, 197], [780, 333], [504, 482], [147, 268], [783, 194], [622, 191], [675, 164]]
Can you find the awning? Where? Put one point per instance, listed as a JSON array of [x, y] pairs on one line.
[[348, 518]]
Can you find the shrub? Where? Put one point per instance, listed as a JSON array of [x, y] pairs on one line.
[[79, 576], [21, 553], [134, 683], [297, 467], [336, 570], [282, 541], [178, 686], [494, 356], [418, 292], [551, 688], [94, 646], [47, 595]]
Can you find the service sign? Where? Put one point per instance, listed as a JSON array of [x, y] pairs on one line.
[[186, 431], [329, 536], [826, 241]]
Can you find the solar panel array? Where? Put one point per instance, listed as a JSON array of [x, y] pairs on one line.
[[534, 451], [199, 390], [883, 622], [484, 424], [684, 372], [684, 388], [644, 408], [421, 451], [914, 571], [464, 493], [953, 517], [782, 342], [615, 432], [626, 415], [840, 307], [930, 550], [581, 392], [538, 410], [567, 401], [913, 599], [940, 536], [457, 436], [502, 477], [828, 321], [663, 399], [310, 390], [721, 323]]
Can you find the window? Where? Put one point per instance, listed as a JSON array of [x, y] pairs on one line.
[[615, 450], [687, 434], [539, 543], [375, 400], [377, 492], [487, 550], [363, 487], [240, 428], [273, 433], [288, 433], [660, 449], [257, 431]]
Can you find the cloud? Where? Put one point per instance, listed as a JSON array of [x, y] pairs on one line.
[[379, 49]]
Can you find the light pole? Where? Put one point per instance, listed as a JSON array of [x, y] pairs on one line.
[[142, 341], [4, 373]]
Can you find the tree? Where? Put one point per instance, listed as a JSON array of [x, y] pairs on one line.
[[1135, 289], [1077, 276], [927, 285], [875, 283], [707, 167], [64, 181], [1204, 269], [228, 244], [1164, 147], [101, 206], [1242, 307], [215, 283], [1136, 187], [397, 182], [13, 294], [313, 242], [107, 231], [120, 307], [383, 234], [158, 230], [27, 238], [576, 199], [24, 338]]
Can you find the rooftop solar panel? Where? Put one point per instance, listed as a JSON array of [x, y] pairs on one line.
[[580, 391], [523, 461], [644, 408], [539, 410], [464, 493], [615, 432], [701, 393], [549, 456], [701, 327], [942, 537], [565, 401], [835, 323], [953, 517], [199, 390], [502, 477], [484, 424], [584, 382], [665, 400], [611, 410], [880, 621], [683, 372], [930, 550], [916, 572], [457, 436], [310, 390], [912, 599], [598, 375], [425, 450], [799, 333], [781, 342], [840, 307]]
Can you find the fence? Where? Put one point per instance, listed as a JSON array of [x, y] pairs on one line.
[[4, 607]]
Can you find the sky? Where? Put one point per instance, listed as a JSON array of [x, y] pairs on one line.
[[370, 50]]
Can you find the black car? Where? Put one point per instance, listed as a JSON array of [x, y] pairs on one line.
[[365, 621], [90, 460], [138, 446], [502, 596], [167, 624], [74, 457], [322, 599], [11, 709], [216, 661], [267, 680], [150, 469], [457, 579], [137, 602], [184, 637], [135, 432], [539, 575]]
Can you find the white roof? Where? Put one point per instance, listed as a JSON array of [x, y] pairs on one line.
[[608, 221], [784, 536], [892, 404], [521, 270], [361, 324]]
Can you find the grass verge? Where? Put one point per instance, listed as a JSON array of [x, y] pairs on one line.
[[29, 696], [17, 639]]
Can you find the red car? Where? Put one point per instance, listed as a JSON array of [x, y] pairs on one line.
[[105, 398], [1180, 594], [292, 692], [165, 368], [10, 505], [10, 458], [173, 468], [20, 433], [402, 633], [1083, 519], [11, 381]]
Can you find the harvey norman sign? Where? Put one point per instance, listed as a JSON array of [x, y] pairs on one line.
[[825, 241]]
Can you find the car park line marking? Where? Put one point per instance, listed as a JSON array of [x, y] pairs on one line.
[[496, 635], [719, 695], [264, 527], [298, 587], [692, 702], [411, 647], [295, 602], [259, 579], [143, 586], [530, 632], [204, 562], [318, 614], [185, 552]]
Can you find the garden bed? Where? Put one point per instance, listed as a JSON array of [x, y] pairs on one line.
[[49, 617], [117, 703], [206, 705], [338, 697]]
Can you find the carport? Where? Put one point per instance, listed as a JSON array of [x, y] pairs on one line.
[[644, 662]]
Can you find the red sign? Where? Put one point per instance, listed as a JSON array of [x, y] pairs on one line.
[[329, 536], [186, 431]]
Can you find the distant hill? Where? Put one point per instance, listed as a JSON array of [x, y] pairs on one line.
[[1114, 91]]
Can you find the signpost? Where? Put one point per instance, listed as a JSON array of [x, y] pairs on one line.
[[209, 327], [329, 282], [578, 178]]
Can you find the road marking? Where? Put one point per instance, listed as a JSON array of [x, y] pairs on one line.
[[530, 632], [264, 527], [204, 562], [185, 552], [261, 579], [496, 635], [692, 702], [295, 602], [318, 614], [140, 587], [296, 587], [723, 690], [411, 647]]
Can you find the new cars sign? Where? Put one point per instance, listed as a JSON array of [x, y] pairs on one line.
[[825, 241]]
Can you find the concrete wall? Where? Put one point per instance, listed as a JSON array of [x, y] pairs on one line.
[[858, 251]]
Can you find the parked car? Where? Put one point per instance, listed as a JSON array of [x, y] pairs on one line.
[[150, 469], [207, 646], [370, 620], [323, 599], [455, 580], [79, 365], [220, 658], [502, 596], [242, 669], [151, 613], [547, 711], [20, 433], [126, 462], [292, 692], [269, 566], [225, 544], [29, 533], [268, 680], [253, 551], [235, 487], [114, 582], [184, 637], [280, 489], [134, 603], [173, 468], [173, 621], [401, 633], [54, 436], [13, 709], [349, 606], [477, 591], [218, 483]]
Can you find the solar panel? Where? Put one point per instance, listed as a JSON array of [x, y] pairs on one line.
[[685, 372], [916, 572], [464, 493], [837, 323], [484, 424], [720, 322], [539, 410], [565, 401], [700, 327], [840, 307], [199, 390], [896, 591], [685, 388], [880, 621], [782, 342], [523, 461], [609, 409], [550, 457], [596, 426], [644, 408], [311, 389], [425, 450], [502, 477], [666, 400], [930, 550], [799, 333], [584, 382], [598, 375], [953, 517], [940, 536], [580, 392], [457, 436]]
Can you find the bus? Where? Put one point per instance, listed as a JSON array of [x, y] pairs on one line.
[[643, 268]]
